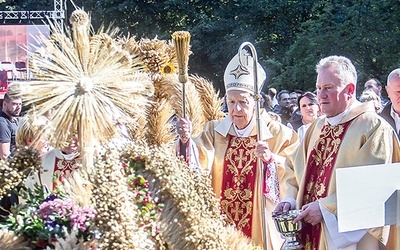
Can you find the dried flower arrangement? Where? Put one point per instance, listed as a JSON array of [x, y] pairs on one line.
[[45, 217], [148, 202], [144, 196], [42, 218], [14, 171], [118, 215], [190, 217]]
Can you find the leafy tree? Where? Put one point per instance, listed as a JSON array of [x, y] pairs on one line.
[[290, 36], [363, 31], [15, 5]]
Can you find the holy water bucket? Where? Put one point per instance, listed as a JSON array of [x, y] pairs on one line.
[[284, 225]]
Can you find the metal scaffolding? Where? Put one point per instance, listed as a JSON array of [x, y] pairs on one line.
[[30, 17], [58, 13]]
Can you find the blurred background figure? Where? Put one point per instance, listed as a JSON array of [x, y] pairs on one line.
[[293, 97], [283, 107], [268, 108], [283, 99], [369, 95], [34, 131], [391, 112], [309, 109], [57, 164], [376, 86], [11, 108], [295, 114], [272, 95], [9, 123]]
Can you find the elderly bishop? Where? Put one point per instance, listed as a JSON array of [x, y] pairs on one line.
[[229, 150]]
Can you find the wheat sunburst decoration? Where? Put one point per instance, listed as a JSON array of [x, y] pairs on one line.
[[88, 80]]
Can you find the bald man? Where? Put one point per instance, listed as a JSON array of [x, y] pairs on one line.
[[391, 112]]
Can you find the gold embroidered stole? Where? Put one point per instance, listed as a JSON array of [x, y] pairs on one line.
[[64, 168], [238, 184], [318, 174]]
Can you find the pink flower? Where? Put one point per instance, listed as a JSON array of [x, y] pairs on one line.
[[67, 211], [56, 207], [81, 216]]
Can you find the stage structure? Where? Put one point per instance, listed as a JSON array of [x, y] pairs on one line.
[[19, 38], [57, 14]]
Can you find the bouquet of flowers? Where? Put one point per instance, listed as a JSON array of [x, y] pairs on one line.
[[46, 217], [148, 203]]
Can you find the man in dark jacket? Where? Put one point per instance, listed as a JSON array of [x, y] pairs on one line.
[[391, 112]]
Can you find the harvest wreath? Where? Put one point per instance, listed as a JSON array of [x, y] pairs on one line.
[[119, 96]]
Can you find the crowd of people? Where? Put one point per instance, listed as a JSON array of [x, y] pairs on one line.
[[286, 159]]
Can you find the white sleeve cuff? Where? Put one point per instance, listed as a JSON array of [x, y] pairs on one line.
[[335, 239]]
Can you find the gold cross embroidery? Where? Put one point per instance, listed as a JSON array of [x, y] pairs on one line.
[[240, 158], [237, 211]]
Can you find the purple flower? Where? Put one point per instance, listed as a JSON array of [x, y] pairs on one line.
[[57, 207], [58, 211], [51, 197], [50, 223], [81, 216]]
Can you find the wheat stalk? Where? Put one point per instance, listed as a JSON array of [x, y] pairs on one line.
[[8, 240], [181, 42], [90, 81], [168, 87], [159, 125], [211, 102], [78, 187]]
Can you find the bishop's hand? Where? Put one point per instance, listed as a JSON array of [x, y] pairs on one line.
[[184, 129], [282, 207], [263, 152], [311, 214]]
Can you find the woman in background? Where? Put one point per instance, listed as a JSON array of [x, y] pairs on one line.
[[309, 108], [34, 132]]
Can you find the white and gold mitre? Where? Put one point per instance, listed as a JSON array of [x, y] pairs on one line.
[[241, 76]]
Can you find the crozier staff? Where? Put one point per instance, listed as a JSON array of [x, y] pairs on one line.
[[229, 150]]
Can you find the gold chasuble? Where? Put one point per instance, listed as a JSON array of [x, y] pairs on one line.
[[232, 165], [318, 175], [238, 184], [361, 138]]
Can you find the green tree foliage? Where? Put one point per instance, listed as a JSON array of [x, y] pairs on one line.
[[364, 31], [218, 27], [10, 5], [290, 36]]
